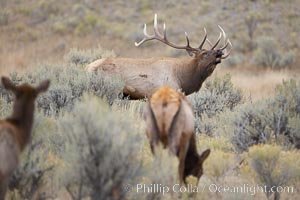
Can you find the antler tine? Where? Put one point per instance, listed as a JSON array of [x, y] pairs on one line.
[[156, 31], [204, 39], [225, 56], [225, 38], [217, 41], [145, 31], [187, 39], [141, 42], [226, 44], [163, 37], [165, 32], [223, 32], [145, 39]]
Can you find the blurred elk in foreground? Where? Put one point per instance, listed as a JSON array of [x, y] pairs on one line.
[[170, 120], [15, 131], [143, 76]]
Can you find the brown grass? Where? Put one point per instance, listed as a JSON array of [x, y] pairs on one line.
[[257, 84]]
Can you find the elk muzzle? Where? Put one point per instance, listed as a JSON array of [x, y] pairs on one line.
[[219, 55]]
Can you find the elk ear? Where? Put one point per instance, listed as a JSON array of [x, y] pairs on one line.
[[204, 156], [8, 84], [43, 87]]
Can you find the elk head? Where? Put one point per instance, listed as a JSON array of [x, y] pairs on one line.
[[194, 164], [24, 94]]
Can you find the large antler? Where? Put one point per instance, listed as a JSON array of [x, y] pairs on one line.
[[163, 38], [226, 43]]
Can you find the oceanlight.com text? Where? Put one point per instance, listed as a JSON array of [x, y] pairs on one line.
[[213, 188]]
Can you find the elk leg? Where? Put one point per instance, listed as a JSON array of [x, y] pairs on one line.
[[152, 130], [152, 147], [184, 143], [153, 141], [175, 141], [153, 138]]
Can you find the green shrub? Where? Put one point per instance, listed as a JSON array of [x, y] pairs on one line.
[[48, 7], [262, 122], [59, 27], [217, 143], [83, 57], [68, 83], [4, 17], [217, 96], [218, 164], [294, 136], [268, 121], [273, 167], [243, 44], [251, 20], [289, 93], [101, 150], [251, 125], [91, 19], [32, 171], [268, 54], [82, 29], [235, 60], [287, 59], [287, 97], [160, 169]]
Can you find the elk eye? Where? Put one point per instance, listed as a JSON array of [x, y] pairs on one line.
[[205, 54]]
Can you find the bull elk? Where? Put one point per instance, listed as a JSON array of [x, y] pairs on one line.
[[170, 120], [15, 131], [143, 76]]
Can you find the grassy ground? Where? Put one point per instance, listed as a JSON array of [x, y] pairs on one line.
[[258, 84]]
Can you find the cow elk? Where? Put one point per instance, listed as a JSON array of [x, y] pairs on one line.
[[170, 121], [15, 131], [143, 76]]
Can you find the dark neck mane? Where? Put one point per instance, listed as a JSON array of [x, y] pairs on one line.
[[192, 75]]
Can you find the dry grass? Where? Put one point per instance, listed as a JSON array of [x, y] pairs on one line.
[[257, 84]]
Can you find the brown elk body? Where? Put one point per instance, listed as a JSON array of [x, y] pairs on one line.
[[15, 131], [143, 76], [170, 120]]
